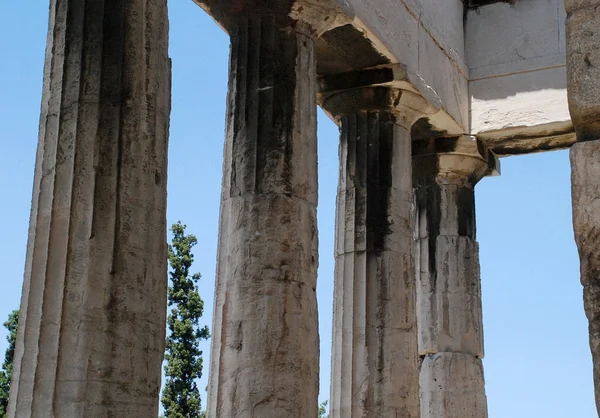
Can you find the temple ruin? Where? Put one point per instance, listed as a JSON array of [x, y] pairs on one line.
[[429, 95]]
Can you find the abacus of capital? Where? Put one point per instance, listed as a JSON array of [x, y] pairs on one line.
[[423, 93]]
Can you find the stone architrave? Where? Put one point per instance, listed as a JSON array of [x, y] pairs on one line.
[[374, 353], [91, 333], [445, 171]]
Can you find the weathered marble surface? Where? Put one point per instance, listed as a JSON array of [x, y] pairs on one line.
[[583, 66], [91, 332], [583, 75], [374, 353], [449, 311], [265, 343], [585, 183]]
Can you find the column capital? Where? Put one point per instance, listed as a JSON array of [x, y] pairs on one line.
[[318, 15], [453, 159], [384, 88]]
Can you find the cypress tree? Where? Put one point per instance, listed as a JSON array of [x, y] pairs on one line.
[[7, 366], [181, 397]]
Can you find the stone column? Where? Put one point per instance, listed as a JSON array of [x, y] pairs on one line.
[[265, 344], [374, 356], [445, 171], [583, 86], [91, 331]]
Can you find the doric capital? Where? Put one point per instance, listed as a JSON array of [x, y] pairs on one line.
[[318, 15], [387, 87], [407, 106], [463, 159]]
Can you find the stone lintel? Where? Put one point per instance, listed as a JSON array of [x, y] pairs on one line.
[[463, 157], [528, 140], [319, 15]]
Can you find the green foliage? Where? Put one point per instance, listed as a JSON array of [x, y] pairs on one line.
[[7, 366], [181, 397], [323, 410]]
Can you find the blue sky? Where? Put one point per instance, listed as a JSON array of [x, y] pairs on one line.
[[537, 360]]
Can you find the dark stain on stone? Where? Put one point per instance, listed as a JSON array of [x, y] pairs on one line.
[[431, 204], [380, 127], [355, 167], [424, 130], [465, 201], [346, 49], [342, 81], [263, 65], [588, 130], [474, 4], [428, 200], [509, 149], [446, 145]]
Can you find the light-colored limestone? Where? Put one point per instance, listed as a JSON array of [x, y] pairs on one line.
[[455, 386], [520, 34], [265, 345], [521, 101], [516, 58], [91, 331], [585, 183], [449, 297], [374, 353]]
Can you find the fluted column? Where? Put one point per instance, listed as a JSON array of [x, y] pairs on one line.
[[583, 87], [374, 355], [265, 347], [265, 342], [92, 324], [445, 171]]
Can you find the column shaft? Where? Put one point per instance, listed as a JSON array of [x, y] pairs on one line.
[[92, 325], [448, 290], [585, 183], [583, 88], [375, 360], [265, 346]]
